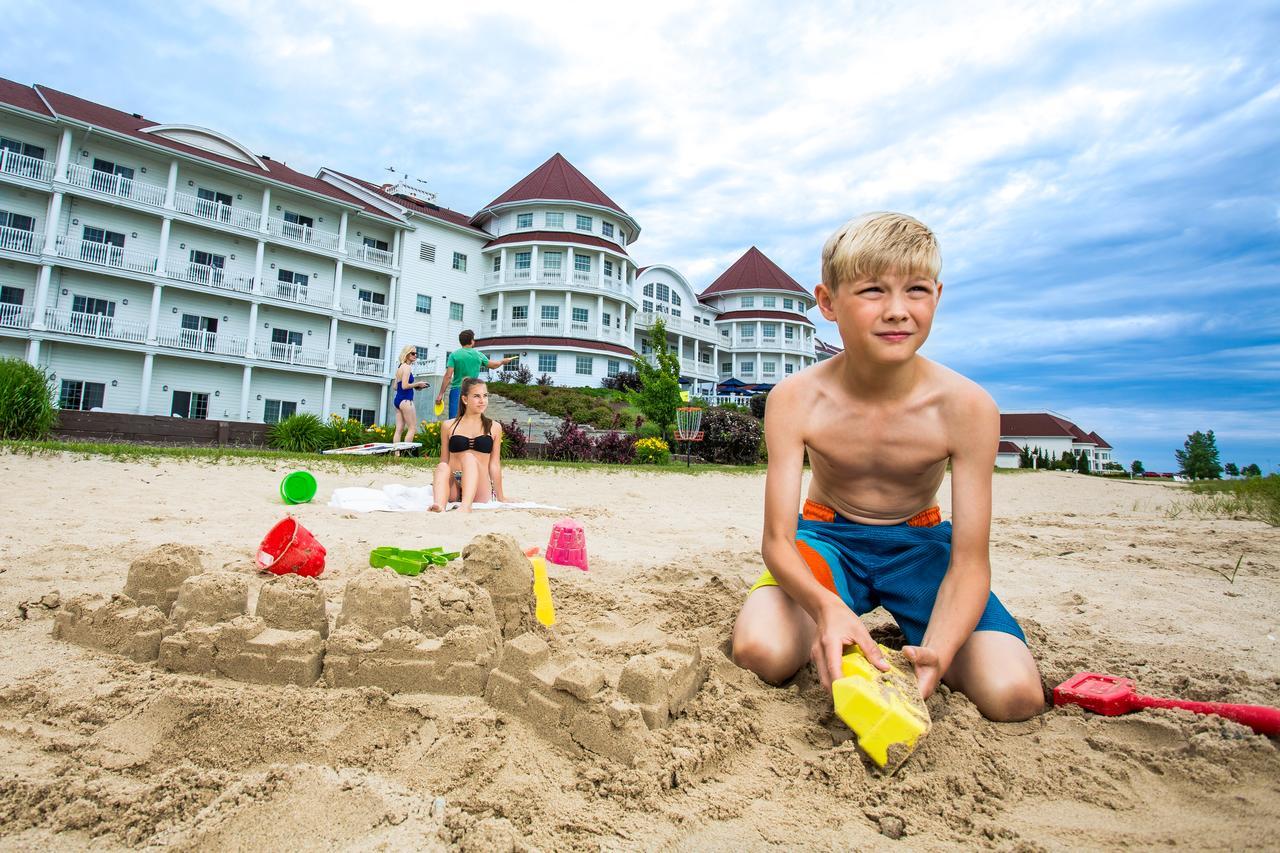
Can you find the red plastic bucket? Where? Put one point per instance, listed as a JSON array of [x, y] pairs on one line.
[[290, 548]]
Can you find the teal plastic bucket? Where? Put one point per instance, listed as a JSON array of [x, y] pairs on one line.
[[298, 487]]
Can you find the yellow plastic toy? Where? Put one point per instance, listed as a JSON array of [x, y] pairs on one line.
[[544, 610], [439, 407], [887, 720]]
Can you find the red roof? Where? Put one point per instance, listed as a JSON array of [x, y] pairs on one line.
[[555, 342], [21, 96], [417, 205], [130, 125], [556, 179], [556, 237], [753, 271], [1008, 447], [1097, 439], [759, 314], [1043, 425], [822, 346]]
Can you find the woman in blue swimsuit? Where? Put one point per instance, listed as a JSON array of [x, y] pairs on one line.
[[470, 466], [406, 414]]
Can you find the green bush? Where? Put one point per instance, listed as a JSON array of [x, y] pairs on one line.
[[730, 438], [652, 451], [340, 432], [26, 401], [304, 433], [595, 407]]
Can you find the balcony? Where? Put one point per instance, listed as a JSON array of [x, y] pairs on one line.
[[550, 327], [222, 278], [213, 211], [366, 310], [22, 166], [362, 366], [298, 233], [15, 316], [582, 330], [681, 325], [106, 254], [299, 293], [369, 254], [17, 240], [197, 340], [291, 354], [117, 186], [95, 326], [518, 278]]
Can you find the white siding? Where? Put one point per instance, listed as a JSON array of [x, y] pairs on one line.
[[443, 284], [219, 380], [13, 348], [306, 391], [97, 364]]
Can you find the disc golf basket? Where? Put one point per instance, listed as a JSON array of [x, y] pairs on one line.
[[688, 429]]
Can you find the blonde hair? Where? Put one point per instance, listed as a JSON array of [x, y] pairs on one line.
[[404, 353], [870, 245]]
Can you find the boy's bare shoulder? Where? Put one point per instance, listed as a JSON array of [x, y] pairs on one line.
[[961, 399]]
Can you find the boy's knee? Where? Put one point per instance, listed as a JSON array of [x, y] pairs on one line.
[[1011, 700], [763, 657]]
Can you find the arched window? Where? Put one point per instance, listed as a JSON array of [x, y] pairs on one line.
[[675, 299], [664, 293], [648, 289]]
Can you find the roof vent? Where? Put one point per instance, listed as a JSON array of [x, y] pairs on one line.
[[137, 115]]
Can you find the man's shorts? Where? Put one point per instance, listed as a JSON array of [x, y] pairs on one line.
[[455, 398], [897, 566]]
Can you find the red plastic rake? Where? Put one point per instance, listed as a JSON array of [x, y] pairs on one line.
[[1112, 696]]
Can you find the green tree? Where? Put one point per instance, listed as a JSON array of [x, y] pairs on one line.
[[1231, 470], [1198, 459], [659, 393], [1136, 467], [1082, 463], [1251, 470]]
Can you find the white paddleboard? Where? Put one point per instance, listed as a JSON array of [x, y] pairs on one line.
[[373, 448]]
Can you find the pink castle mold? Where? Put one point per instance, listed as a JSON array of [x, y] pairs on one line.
[[568, 544]]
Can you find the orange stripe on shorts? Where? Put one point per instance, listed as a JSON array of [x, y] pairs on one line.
[[814, 511], [930, 517], [817, 565]]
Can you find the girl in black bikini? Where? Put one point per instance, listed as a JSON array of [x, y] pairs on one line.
[[470, 466]]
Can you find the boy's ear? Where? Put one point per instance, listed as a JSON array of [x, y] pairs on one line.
[[822, 295], [938, 292]]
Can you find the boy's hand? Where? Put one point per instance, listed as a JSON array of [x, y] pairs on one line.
[[839, 627], [928, 667]]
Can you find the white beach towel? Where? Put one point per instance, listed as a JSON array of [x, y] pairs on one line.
[[398, 498]]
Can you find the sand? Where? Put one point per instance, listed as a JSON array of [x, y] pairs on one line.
[[625, 725]]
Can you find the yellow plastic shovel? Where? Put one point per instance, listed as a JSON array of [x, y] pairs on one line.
[[884, 709], [544, 610]]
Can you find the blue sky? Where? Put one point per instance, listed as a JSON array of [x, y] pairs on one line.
[[1104, 178]]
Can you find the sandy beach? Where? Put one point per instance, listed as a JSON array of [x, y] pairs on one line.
[[100, 751]]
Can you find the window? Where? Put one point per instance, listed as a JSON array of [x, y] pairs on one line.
[[367, 350], [675, 312], [519, 312], [274, 411], [675, 298], [109, 177], [92, 305], [374, 243], [747, 333], [524, 220], [726, 367], [288, 283], [614, 367], [788, 303], [364, 416], [648, 289], [789, 369], [14, 296], [81, 396], [608, 269], [523, 260], [582, 365], [297, 226], [515, 356], [459, 262], [546, 363], [769, 302], [422, 354], [581, 315], [551, 312], [455, 311], [606, 228], [770, 367], [286, 337], [770, 330], [789, 332], [102, 246], [424, 304], [190, 404], [647, 306], [664, 293], [23, 148], [372, 297], [493, 315], [605, 318], [554, 220], [748, 367], [199, 333], [17, 221], [211, 204], [427, 252], [497, 263], [552, 261], [645, 346], [581, 263], [209, 259], [748, 302], [584, 222], [704, 357]]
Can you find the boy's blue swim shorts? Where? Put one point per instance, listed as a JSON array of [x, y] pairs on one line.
[[899, 566]]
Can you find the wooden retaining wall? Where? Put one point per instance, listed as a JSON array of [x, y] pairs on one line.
[[157, 429]]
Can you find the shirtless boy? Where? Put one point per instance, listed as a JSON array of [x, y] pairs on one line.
[[880, 423]]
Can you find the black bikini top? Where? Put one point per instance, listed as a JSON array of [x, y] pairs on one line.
[[480, 444]]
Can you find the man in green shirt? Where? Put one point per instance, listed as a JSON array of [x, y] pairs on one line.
[[462, 363]]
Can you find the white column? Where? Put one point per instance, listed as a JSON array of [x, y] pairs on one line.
[[51, 225], [626, 336], [333, 347], [395, 250], [568, 313], [502, 266], [600, 261], [266, 210], [246, 379], [534, 275], [342, 241], [502, 316], [600, 317], [387, 348], [533, 316], [337, 287], [328, 398], [64, 155], [144, 397], [382, 403], [393, 298], [680, 348], [258, 255], [171, 187], [253, 330], [166, 228], [33, 352], [153, 320], [42, 297]]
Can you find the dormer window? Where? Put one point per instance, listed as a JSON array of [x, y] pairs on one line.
[[524, 220]]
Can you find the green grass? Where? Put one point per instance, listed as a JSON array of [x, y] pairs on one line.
[[1255, 497]]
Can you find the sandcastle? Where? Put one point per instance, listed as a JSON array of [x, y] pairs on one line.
[[460, 630]]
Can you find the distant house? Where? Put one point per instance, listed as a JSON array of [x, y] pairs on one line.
[[825, 350], [1053, 434]]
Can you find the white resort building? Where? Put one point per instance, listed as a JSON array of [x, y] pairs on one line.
[[166, 269], [1052, 434]]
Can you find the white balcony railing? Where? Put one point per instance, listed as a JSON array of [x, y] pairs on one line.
[[518, 326], [222, 278], [555, 278], [198, 340], [368, 310], [292, 292], [95, 326], [17, 240], [368, 254], [106, 254], [13, 163], [581, 329], [549, 327], [291, 354], [646, 319], [278, 227], [203, 208], [15, 316], [115, 185], [361, 365]]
